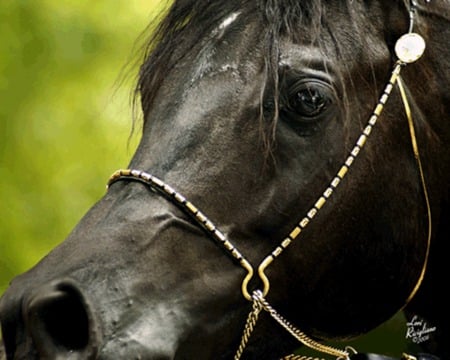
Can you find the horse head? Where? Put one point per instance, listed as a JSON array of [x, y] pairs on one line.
[[257, 184]]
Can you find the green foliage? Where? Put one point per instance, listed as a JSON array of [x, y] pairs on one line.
[[65, 115]]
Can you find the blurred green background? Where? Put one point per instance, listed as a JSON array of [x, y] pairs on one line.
[[66, 78]]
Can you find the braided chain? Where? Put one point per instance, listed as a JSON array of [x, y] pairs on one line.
[[298, 334], [260, 303], [252, 319]]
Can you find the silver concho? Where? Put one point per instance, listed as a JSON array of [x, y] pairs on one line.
[[410, 47]]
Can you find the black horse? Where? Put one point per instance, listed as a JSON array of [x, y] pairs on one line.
[[251, 108]]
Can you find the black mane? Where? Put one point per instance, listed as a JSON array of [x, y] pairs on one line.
[[187, 21]]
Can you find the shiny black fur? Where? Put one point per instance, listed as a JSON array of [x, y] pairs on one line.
[[229, 124]]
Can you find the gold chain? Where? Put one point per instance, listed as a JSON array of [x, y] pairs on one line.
[[298, 334], [252, 319], [260, 303]]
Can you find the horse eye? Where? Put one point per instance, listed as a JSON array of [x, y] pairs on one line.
[[309, 99]]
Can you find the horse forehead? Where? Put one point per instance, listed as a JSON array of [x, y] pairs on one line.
[[228, 47]]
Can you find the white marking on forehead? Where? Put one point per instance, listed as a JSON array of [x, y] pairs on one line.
[[229, 20], [219, 31], [208, 51]]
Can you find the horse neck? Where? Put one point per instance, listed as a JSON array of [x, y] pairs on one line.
[[429, 86]]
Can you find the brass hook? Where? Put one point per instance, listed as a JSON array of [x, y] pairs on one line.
[[264, 279]]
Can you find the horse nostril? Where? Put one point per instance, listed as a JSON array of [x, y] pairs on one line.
[[59, 321], [63, 319]]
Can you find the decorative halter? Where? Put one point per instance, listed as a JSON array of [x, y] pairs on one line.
[[409, 48]]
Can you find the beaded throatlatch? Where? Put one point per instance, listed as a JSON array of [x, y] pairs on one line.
[[408, 49]]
